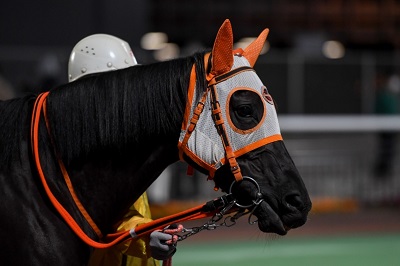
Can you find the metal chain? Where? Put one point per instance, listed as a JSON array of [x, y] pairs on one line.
[[209, 225], [213, 224], [229, 220]]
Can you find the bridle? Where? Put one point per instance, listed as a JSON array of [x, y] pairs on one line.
[[211, 91], [219, 88], [216, 208]]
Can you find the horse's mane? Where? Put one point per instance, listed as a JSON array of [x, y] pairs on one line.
[[14, 125], [121, 107]]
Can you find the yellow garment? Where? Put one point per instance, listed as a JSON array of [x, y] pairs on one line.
[[128, 253]]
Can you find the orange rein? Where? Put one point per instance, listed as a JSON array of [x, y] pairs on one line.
[[36, 115], [198, 212]]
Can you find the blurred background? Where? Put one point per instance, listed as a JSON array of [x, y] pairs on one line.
[[333, 69]]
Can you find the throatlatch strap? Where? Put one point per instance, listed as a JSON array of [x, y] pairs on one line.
[[192, 125]]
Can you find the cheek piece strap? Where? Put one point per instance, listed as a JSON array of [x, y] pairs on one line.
[[190, 125]]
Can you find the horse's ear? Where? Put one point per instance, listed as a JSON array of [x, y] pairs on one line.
[[254, 49], [222, 57]]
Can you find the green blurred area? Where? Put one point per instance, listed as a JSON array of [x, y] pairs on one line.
[[368, 250]]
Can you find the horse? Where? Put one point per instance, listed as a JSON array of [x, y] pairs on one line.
[[114, 133]]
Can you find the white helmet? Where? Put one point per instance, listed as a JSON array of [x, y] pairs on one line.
[[99, 53]]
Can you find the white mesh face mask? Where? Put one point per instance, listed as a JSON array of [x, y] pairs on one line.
[[235, 115], [205, 141]]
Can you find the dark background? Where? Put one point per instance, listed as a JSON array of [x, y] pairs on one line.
[[362, 24], [31, 30]]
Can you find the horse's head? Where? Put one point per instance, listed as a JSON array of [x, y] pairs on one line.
[[233, 133]]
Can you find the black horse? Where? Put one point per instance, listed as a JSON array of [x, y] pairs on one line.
[[116, 132]]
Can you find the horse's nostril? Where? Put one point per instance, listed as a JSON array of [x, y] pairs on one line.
[[293, 200]]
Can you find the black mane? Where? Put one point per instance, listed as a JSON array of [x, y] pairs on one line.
[[113, 110], [123, 106], [14, 125]]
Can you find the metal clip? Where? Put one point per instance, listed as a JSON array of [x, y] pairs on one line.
[[256, 203]]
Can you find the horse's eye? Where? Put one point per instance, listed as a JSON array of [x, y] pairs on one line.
[[244, 111]]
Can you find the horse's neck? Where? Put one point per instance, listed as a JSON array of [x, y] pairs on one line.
[[108, 187], [109, 182]]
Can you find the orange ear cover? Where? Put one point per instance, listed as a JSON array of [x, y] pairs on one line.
[[222, 57], [254, 49]]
